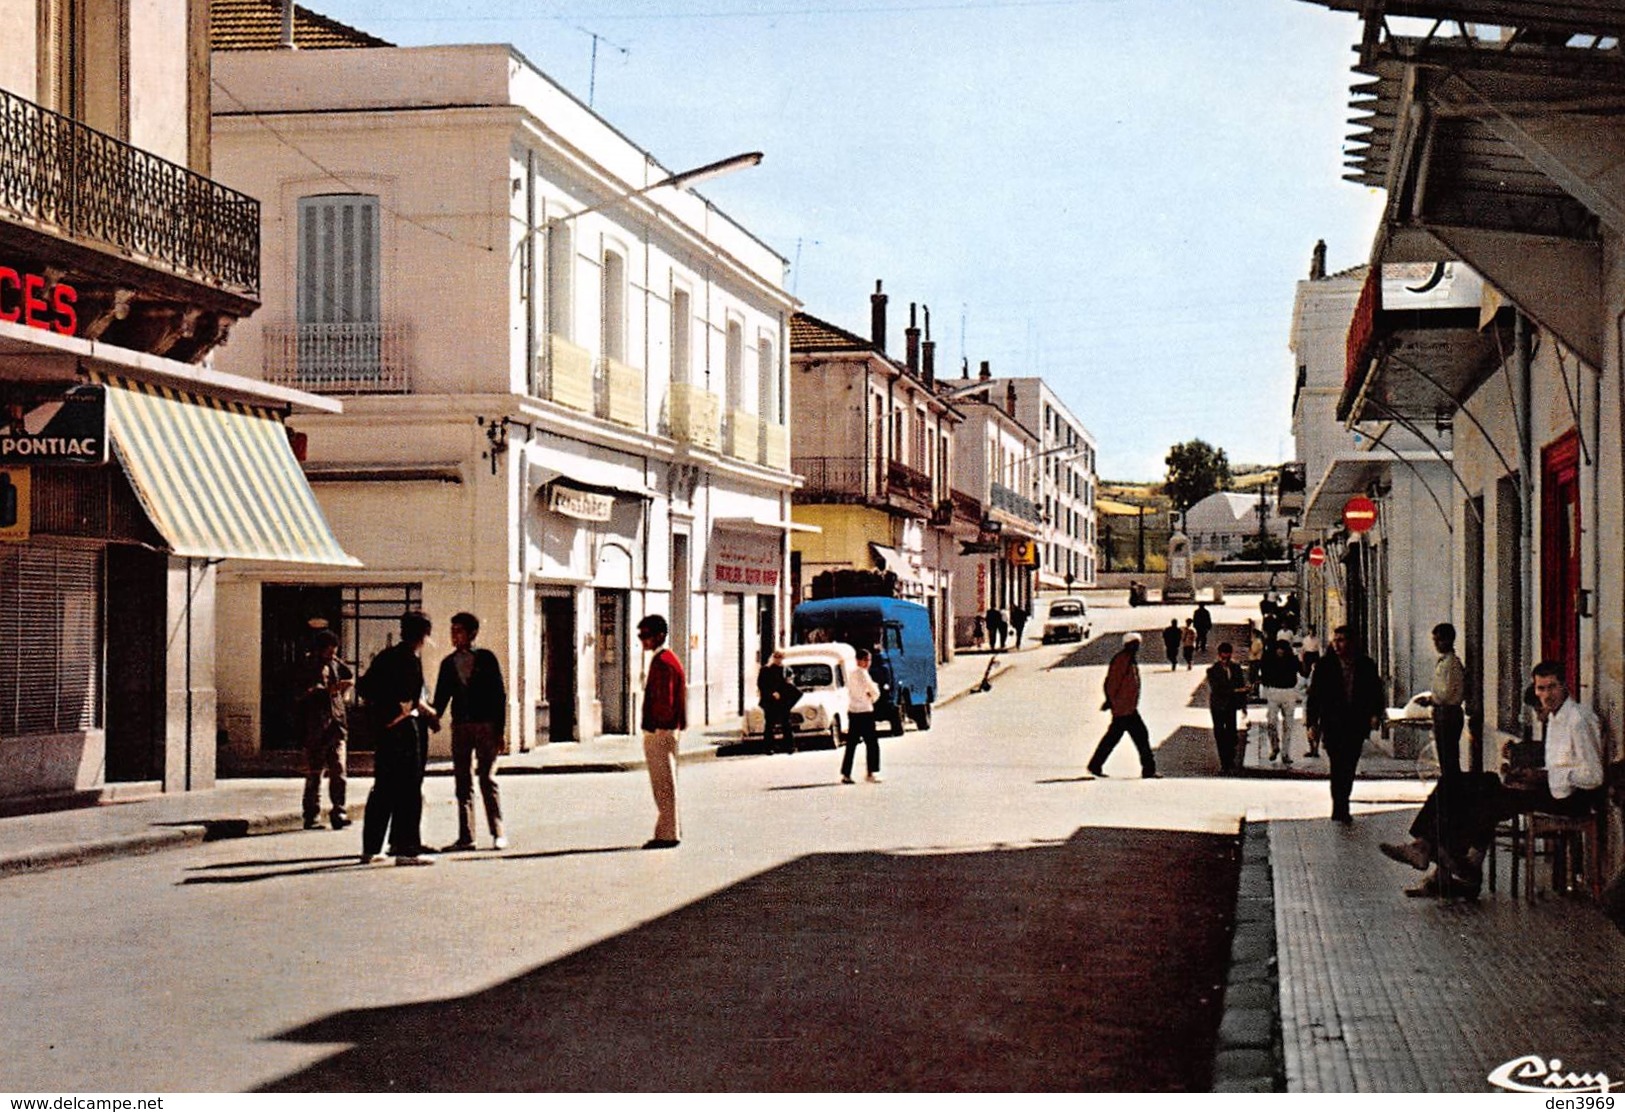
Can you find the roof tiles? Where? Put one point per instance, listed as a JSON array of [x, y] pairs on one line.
[[257, 25]]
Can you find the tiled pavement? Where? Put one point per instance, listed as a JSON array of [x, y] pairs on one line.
[[1381, 993]]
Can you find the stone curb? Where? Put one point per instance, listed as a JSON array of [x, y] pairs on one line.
[[1248, 1057]]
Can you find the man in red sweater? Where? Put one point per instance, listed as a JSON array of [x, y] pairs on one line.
[[665, 717]]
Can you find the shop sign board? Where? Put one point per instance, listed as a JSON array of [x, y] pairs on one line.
[[15, 502], [1024, 554], [741, 560], [583, 505], [53, 429]]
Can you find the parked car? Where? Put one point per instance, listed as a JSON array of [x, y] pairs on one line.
[[1066, 620], [897, 632], [819, 673]]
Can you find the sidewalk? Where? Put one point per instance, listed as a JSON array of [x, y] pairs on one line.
[[266, 805], [1382, 993]]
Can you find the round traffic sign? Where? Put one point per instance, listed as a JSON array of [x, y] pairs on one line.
[[1359, 514], [1317, 556]]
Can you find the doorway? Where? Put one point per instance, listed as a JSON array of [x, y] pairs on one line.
[[1560, 556], [613, 674], [556, 713]]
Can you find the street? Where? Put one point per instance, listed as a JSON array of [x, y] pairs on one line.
[[986, 918]]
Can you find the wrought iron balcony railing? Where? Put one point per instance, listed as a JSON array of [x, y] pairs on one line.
[[908, 482], [339, 358], [1003, 498], [839, 477], [64, 178]]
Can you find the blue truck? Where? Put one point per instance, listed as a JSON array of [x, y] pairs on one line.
[[897, 632]]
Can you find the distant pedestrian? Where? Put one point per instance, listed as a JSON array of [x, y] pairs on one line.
[[1346, 702], [1226, 694], [1203, 621], [1187, 643], [665, 717], [778, 697], [1171, 638], [393, 690], [324, 725], [470, 681], [1018, 622], [1446, 698], [1279, 675], [996, 629], [1123, 700], [861, 693], [1255, 654]]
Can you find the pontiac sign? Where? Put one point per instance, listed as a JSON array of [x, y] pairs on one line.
[[56, 429]]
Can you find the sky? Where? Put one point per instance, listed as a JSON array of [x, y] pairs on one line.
[[1117, 195]]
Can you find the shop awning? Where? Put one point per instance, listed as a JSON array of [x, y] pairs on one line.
[[218, 479], [1348, 475], [891, 560]]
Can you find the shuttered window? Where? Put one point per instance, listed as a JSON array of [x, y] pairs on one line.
[[50, 640], [338, 259]]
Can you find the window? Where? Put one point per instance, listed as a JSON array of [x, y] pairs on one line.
[[561, 280], [337, 288], [50, 651], [734, 365], [682, 351], [767, 374], [84, 62], [614, 301]]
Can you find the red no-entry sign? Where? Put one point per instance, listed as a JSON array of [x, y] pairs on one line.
[[1317, 556], [1359, 514]]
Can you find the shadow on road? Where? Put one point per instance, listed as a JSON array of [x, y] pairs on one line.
[[1095, 964]]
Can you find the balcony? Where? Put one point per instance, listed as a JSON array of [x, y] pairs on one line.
[[905, 481], [569, 378], [621, 389], [743, 436], [695, 416], [966, 508], [339, 358], [60, 178], [1014, 504]]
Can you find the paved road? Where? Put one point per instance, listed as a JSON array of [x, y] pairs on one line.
[[986, 918]]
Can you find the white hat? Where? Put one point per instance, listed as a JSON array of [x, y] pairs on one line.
[[1131, 639]]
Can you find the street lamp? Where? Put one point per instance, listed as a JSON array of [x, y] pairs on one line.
[[686, 179]]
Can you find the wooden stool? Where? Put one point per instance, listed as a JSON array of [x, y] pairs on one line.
[[1559, 832]]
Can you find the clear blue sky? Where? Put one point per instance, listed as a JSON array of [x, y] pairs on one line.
[[1118, 195]]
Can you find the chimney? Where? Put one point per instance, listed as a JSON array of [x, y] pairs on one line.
[[287, 25], [1317, 262], [1010, 398], [911, 343], [928, 353], [877, 319], [964, 367], [986, 373]]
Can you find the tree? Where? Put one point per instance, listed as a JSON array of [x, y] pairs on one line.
[[1196, 469]]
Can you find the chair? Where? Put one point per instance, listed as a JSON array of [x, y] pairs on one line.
[[1558, 833], [1510, 835]]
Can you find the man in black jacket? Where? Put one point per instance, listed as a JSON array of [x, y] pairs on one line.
[[1346, 702], [393, 690], [470, 681]]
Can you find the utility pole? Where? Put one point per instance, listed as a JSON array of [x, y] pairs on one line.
[[1140, 544]]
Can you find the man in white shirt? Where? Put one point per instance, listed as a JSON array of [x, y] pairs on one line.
[[861, 693], [1446, 698], [1455, 825]]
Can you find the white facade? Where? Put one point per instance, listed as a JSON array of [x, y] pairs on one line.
[[569, 402], [1223, 523]]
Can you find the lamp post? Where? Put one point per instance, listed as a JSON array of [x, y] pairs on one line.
[[685, 179]]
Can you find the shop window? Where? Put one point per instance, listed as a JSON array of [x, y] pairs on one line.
[[50, 640]]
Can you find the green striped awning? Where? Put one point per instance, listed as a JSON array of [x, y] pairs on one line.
[[217, 478]]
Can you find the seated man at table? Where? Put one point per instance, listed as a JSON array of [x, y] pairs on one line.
[[1457, 822]]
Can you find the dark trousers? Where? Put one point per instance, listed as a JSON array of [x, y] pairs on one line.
[[776, 723], [1134, 726], [1224, 736], [1447, 726], [395, 803], [325, 754], [1461, 812], [475, 745], [1201, 640], [1343, 748], [860, 726]]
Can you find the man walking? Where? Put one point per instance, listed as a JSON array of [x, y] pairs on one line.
[[861, 693], [1018, 622], [1446, 698], [778, 697], [470, 680], [1345, 704], [1279, 675], [324, 679], [665, 717], [995, 629], [1123, 700], [393, 690], [1226, 694], [1203, 621], [1171, 638]]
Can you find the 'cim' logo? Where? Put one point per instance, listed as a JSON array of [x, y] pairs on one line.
[[1534, 1074]]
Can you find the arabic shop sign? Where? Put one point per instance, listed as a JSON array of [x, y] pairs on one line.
[[743, 560], [47, 429]]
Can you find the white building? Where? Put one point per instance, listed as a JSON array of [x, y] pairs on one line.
[[1227, 521], [1065, 483], [564, 383]]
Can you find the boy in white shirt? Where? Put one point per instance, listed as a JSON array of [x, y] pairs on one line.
[[861, 693]]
